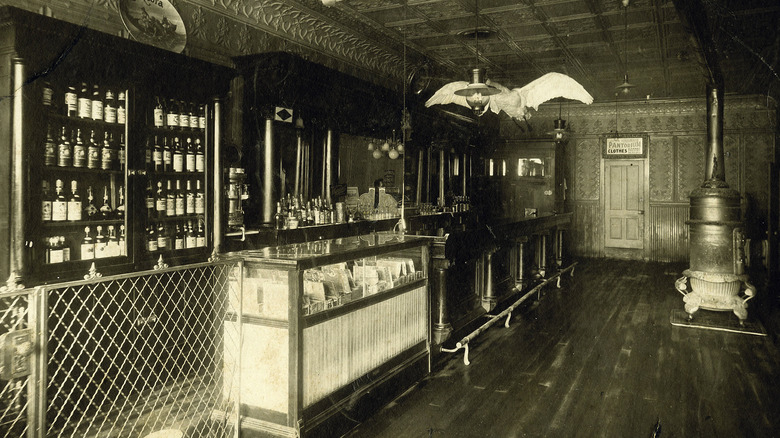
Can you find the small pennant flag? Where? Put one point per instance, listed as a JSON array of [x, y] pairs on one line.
[[283, 114]]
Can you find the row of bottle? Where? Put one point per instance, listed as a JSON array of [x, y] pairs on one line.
[[72, 151], [178, 114], [86, 102], [291, 213], [58, 249], [175, 156], [164, 236], [170, 202], [57, 207]]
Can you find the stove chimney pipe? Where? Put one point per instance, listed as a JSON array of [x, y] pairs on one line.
[[714, 168]]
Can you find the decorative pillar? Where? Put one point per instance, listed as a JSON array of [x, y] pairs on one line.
[[268, 171], [218, 176], [489, 298], [16, 260], [441, 178], [441, 325], [420, 173], [327, 164]]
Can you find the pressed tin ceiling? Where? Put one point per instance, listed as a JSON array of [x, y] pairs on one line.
[[593, 41]]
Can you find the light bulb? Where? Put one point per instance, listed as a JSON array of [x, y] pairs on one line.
[[377, 154], [393, 154], [400, 147], [386, 146], [370, 145]]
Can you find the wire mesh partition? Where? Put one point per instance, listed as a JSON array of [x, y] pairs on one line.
[[14, 315], [133, 354]]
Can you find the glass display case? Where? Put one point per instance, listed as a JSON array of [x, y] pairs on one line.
[[324, 322]]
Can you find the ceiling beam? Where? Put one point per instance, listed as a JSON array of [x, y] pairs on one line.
[[694, 19]]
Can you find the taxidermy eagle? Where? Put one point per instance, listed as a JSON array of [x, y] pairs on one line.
[[515, 102]]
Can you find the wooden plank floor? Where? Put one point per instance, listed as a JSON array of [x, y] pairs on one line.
[[597, 358]]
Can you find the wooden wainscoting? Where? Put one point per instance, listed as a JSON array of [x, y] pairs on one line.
[[668, 232], [587, 235]]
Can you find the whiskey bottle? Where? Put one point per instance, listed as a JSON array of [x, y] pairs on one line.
[[46, 201], [59, 206], [190, 240], [65, 247], [178, 156], [148, 153], [161, 201], [162, 237], [121, 109], [55, 249], [47, 93], [121, 241], [90, 211], [119, 212], [105, 209], [85, 102], [190, 199], [79, 151], [74, 204], [189, 156], [170, 200], [97, 103], [112, 244], [109, 108], [167, 156], [202, 117], [279, 218], [193, 116], [184, 116], [93, 152], [120, 151], [200, 237], [158, 113], [181, 200], [100, 244], [200, 157], [71, 101], [50, 149], [150, 207], [200, 199], [157, 156], [151, 238], [64, 152], [87, 246], [173, 115], [178, 240], [106, 153]]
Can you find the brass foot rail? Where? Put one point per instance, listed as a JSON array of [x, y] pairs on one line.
[[464, 343]]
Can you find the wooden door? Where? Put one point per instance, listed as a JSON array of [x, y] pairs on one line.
[[624, 203]]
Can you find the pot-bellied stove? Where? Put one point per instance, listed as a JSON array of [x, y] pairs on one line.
[[716, 272]]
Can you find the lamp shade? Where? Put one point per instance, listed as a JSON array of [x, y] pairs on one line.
[[626, 86], [477, 93]]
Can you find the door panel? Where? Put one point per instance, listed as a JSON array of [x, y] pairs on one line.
[[624, 209]]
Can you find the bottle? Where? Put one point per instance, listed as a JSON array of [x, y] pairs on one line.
[[170, 201], [105, 209], [79, 151], [93, 152], [64, 153], [193, 117], [121, 110], [200, 199], [59, 206], [200, 237], [56, 249], [64, 247], [107, 153], [46, 201], [90, 211], [74, 204], [71, 101], [150, 207], [119, 212], [178, 240], [200, 157], [159, 113], [190, 240], [181, 200], [85, 102], [178, 156], [151, 238], [189, 195], [184, 116], [112, 244], [121, 242], [167, 156], [97, 104], [87, 246], [189, 156], [162, 237], [202, 117], [47, 93], [50, 149], [157, 156], [100, 244], [120, 151], [279, 218], [173, 115], [160, 201], [109, 108]]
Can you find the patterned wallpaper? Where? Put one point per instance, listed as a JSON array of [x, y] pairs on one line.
[[661, 163]]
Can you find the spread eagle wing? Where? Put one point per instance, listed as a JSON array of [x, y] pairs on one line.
[[446, 94], [550, 86]]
